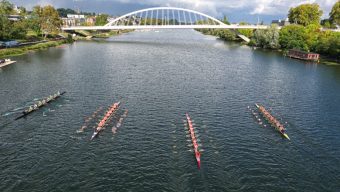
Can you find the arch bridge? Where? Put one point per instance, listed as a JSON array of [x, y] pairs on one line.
[[165, 18]]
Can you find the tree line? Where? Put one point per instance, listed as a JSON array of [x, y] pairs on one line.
[[42, 21], [304, 33]]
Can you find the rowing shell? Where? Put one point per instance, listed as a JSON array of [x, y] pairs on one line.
[[102, 123], [27, 113], [273, 122], [194, 141]]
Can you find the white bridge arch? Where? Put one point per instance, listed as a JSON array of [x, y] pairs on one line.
[[164, 18], [168, 14]]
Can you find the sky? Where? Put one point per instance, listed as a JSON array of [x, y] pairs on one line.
[[236, 10]]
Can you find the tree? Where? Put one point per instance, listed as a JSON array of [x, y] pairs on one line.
[[45, 20], [329, 44], [35, 20], [227, 35], [305, 14], [19, 30], [326, 23], [334, 15], [5, 26], [312, 35], [51, 21], [10, 29], [63, 12], [246, 32], [6, 7], [225, 20], [101, 19], [293, 37], [268, 38]]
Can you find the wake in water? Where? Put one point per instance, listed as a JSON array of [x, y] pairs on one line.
[[89, 119], [119, 123], [106, 118]]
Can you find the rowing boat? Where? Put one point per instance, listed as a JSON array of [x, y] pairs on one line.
[[272, 120], [40, 104], [106, 118], [194, 141]]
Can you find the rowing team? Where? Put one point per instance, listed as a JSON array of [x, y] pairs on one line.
[[194, 141], [272, 119], [42, 102], [101, 124]]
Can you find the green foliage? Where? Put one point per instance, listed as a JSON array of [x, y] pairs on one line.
[[63, 12], [50, 20], [326, 23], [6, 7], [10, 29], [268, 38], [334, 15], [225, 34], [225, 20], [23, 50], [101, 19], [5, 28], [69, 39], [305, 14], [329, 44], [44, 20], [23, 11], [312, 35], [246, 32], [19, 30], [293, 37]]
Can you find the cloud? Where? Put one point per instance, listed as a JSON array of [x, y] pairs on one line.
[[215, 8], [220, 7]]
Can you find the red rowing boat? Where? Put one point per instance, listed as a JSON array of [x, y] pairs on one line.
[[194, 141], [107, 116]]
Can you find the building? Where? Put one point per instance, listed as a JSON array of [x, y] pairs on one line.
[[298, 54], [14, 17], [281, 23], [73, 20]]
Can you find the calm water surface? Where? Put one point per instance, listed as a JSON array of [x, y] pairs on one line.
[[159, 76]]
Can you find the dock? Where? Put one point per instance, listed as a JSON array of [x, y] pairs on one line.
[[7, 63]]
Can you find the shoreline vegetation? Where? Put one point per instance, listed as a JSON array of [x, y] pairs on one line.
[[232, 37], [10, 52], [16, 51], [40, 28], [305, 32]]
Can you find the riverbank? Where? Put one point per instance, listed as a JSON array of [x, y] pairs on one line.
[[44, 45], [82, 35], [23, 50], [229, 36]]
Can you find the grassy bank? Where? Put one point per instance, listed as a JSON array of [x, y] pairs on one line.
[[88, 35], [22, 50]]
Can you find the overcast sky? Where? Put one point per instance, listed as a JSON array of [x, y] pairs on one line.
[[235, 10]]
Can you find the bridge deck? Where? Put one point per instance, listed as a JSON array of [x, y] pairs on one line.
[[165, 27]]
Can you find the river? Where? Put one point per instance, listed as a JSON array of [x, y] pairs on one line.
[[159, 76]]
